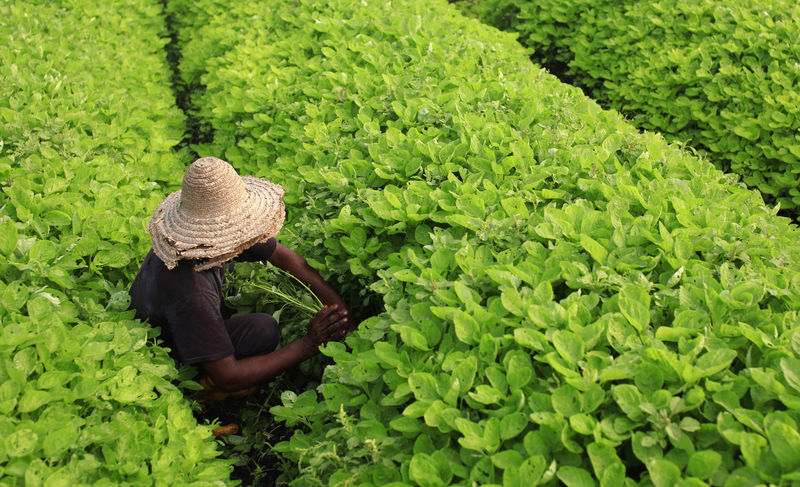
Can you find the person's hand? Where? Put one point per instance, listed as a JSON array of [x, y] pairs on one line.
[[330, 323], [351, 323]]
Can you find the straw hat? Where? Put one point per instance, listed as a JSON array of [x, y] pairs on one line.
[[215, 216]]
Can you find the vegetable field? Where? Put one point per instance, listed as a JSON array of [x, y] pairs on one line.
[[723, 77], [87, 129], [551, 297]]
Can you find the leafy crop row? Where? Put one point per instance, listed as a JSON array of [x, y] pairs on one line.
[[87, 129], [566, 299], [722, 76]]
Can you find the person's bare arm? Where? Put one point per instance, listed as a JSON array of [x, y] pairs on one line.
[[230, 374], [291, 262]]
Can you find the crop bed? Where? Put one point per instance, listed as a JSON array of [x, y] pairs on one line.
[[565, 298], [721, 76], [562, 299], [87, 129]]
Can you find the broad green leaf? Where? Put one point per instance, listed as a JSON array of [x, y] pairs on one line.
[[497, 378], [33, 399], [465, 294], [597, 251], [355, 240], [423, 385], [593, 397], [791, 371], [442, 260], [561, 366], [568, 345], [582, 423], [465, 373], [603, 458], [46, 251], [634, 303], [42, 305], [412, 337], [449, 388], [491, 434], [473, 434], [57, 218], [559, 218], [703, 464], [466, 327], [486, 395], [575, 477], [503, 277], [512, 301], [566, 401], [648, 378], [388, 354], [784, 441], [442, 417], [531, 338], [729, 428], [111, 258], [613, 475], [14, 296], [432, 414], [405, 424], [8, 237], [544, 292], [21, 365], [513, 424], [422, 234], [507, 459], [547, 230], [673, 334], [424, 471], [752, 447], [715, 361], [533, 468], [519, 372], [628, 398], [21, 442], [689, 424], [57, 442], [748, 293], [366, 371], [663, 473]]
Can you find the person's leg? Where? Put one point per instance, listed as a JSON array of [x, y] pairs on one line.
[[253, 334]]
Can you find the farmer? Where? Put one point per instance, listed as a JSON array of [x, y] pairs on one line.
[[216, 217]]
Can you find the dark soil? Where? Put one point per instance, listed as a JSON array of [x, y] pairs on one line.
[[255, 464]]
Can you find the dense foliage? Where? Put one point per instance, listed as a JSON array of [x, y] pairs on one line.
[[722, 76], [87, 129], [566, 299]]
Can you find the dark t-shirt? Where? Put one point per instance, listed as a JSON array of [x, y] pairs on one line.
[[188, 305]]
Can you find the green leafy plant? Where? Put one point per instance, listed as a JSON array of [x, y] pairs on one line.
[[564, 299], [86, 152], [720, 77], [265, 285], [259, 288]]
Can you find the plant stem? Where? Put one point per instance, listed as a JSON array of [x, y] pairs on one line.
[[319, 303], [286, 298]]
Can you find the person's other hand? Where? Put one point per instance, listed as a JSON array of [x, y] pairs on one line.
[[330, 323]]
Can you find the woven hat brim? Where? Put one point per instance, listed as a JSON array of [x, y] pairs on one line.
[[216, 240]]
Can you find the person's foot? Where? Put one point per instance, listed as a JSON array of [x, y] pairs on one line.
[[228, 429]]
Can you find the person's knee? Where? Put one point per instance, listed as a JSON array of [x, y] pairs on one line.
[[272, 333], [253, 334]]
